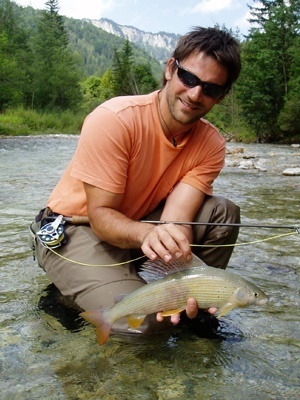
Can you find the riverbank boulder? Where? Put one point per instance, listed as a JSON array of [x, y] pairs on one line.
[[235, 157]]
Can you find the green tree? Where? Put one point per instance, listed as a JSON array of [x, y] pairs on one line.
[[91, 87], [9, 94], [15, 57], [144, 79], [56, 79], [122, 71], [128, 78], [106, 85], [267, 61], [97, 89], [289, 118]]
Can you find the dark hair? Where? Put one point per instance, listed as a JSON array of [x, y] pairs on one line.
[[215, 43]]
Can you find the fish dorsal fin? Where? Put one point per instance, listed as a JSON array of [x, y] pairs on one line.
[[152, 271]]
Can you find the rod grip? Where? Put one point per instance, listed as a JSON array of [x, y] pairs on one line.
[[79, 220]]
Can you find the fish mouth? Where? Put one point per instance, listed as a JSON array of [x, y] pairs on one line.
[[264, 301]]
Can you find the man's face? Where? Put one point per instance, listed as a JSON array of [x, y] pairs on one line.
[[188, 104]]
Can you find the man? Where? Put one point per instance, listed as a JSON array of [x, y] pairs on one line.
[[149, 157]]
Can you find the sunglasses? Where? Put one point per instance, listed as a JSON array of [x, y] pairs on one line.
[[209, 89]]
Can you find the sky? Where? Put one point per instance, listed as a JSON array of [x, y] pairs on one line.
[[172, 16]]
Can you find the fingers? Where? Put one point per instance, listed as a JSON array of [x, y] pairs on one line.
[[166, 241], [191, 312], [159, 317], [191, 308], [212, 310], [175, 318]]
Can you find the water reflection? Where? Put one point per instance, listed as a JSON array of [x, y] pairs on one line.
[[48, 352], [54, 304]]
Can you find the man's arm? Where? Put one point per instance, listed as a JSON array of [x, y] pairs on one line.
[[165, 241], [109, 224]]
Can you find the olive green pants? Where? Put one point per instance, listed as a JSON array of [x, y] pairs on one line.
[[94, 273]]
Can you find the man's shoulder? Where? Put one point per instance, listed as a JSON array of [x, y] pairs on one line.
[[123, 103], [211, 130]]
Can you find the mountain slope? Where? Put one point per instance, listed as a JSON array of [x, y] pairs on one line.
[[160, 45], [94, 46]]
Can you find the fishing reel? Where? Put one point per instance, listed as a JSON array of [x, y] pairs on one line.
[[52, 234]]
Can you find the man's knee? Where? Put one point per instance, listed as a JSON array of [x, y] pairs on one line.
[[223, 209], [232, 210], [218, 209], [218, 225]]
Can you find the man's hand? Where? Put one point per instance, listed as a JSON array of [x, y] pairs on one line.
[[191, 312], [167, 241], [171, 240]]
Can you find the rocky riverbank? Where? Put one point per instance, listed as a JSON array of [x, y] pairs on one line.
[[237, 156]]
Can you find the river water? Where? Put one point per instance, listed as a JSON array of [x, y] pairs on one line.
[[46, 353]]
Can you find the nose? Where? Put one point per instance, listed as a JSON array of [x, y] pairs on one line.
[[195, 93]]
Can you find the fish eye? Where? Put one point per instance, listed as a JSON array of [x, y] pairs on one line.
[[255, 294]]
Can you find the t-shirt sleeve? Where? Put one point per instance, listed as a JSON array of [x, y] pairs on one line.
[[102, 156]]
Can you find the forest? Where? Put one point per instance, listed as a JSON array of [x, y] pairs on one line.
[[54, 70]]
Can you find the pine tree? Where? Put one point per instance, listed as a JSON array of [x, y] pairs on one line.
[[267, 62], [128, 78], [56, 81], [122, 71], [15, 57]]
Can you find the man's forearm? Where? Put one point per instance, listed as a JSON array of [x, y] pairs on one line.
[[115, 228]]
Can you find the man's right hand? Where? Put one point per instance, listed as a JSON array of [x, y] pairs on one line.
[[167, 241]]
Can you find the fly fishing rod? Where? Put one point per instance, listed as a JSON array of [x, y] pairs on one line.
[[241, 225], [84, 220], [52, 235]]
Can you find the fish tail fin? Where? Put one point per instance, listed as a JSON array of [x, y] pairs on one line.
[[102, 324]]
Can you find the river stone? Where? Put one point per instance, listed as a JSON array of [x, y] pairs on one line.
[[291, 172], [246, 164]]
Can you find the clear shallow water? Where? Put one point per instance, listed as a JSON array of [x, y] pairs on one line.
[[255, 353]]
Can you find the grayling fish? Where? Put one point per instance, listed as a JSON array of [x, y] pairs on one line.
[[169, 287]]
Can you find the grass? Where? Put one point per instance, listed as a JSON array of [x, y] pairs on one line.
[[21, 122]]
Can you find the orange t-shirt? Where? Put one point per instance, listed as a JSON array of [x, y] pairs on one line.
[[122, 149]]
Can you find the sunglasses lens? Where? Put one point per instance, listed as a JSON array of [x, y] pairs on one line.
[[187, 78], [213, 90], [209, 89]]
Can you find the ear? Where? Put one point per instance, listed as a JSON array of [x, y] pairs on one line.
[[169, 69]]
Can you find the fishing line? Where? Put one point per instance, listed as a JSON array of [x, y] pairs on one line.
[[192, 245], [245, 243], [94, 265]]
